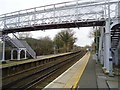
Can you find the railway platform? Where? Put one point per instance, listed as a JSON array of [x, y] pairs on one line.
[[17, 62], [85, 73]]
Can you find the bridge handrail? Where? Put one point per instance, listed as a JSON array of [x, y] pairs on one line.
[[46, 6]]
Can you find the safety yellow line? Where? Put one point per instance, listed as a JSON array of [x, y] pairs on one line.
[[75, 85]]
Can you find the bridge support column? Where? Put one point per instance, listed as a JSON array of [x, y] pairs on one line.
[[119, 11], [108, 58], [102, 56], [107, 45], [104, 52], [101, 46], [12, 54], [3, 48], [18, 51], [119, 56], [116, 57], [25, 54]]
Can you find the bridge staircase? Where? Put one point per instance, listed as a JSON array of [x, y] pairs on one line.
[[29, 49], [15, 43]]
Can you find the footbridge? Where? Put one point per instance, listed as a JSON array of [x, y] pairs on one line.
[[79, 13], [61, 15]]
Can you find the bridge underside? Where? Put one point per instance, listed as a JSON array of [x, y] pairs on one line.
[[54, 26]]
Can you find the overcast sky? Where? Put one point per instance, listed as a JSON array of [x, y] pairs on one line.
[[15, 5]]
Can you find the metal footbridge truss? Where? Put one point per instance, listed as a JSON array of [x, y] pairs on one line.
[[61, 15]]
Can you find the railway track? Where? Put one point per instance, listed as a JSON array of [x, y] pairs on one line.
[[31, 70], [32, 79], [55, 74]]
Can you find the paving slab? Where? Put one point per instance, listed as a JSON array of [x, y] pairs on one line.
[[112, 84], [88, 79], [101, 81]]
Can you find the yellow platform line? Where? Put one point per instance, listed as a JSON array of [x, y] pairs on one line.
[[80, 74], [76, 77]]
